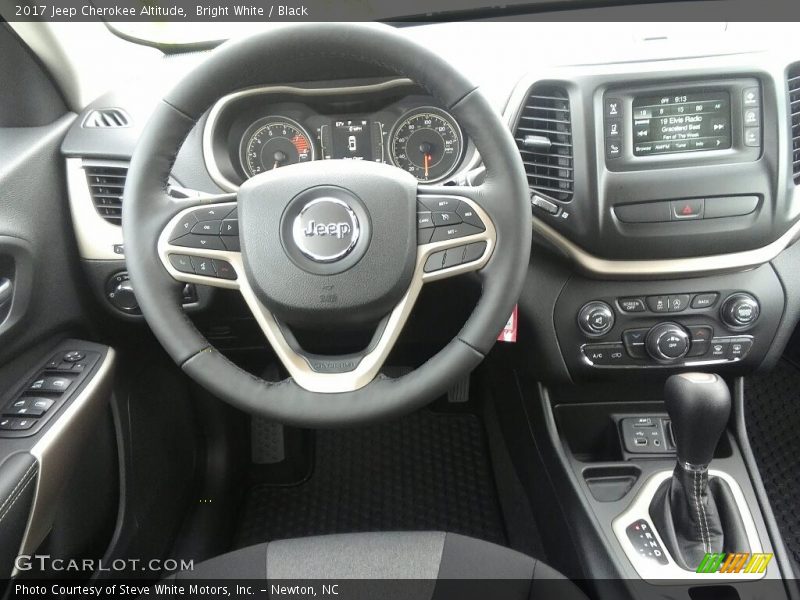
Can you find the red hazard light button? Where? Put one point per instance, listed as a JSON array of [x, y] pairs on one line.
[[687, 209]]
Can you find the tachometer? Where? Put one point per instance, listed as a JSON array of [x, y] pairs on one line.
[[426, 142], [274, 142]]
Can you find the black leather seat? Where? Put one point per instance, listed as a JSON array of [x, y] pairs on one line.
[[409, 565]]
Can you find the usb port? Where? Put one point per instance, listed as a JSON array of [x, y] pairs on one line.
[[640, 442]]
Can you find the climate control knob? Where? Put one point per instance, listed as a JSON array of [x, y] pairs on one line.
[[596, 318], [740, 311], [667, 342]]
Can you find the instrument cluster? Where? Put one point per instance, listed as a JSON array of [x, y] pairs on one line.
[[392, 122]]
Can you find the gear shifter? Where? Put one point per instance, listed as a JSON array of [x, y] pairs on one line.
[[699, 405], [695, 515]]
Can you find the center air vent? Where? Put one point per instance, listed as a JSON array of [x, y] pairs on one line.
[[544, 138], [794, 111], [107, 118], [105, 186]]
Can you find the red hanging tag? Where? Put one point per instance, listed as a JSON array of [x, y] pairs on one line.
[[509, 333]]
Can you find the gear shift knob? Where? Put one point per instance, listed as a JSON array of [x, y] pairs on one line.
[[699, 405]]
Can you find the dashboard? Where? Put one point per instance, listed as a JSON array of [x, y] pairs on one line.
[[393, 122], [663, 183]]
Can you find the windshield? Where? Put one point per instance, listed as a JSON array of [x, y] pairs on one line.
[[216, 23]]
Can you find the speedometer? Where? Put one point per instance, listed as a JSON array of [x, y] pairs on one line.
[[274, 142], [427, 143]]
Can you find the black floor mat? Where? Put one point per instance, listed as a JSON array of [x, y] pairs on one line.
[[427, 471], [772, 412]]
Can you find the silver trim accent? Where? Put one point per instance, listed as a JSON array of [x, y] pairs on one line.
[[653, 572], [658, 269], [451, 119], [686, 363], [96, 237], [57, 447], [299, 235], [296, 364], [211, 123]]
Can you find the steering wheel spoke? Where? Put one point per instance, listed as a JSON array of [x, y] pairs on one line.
[[200, 244]]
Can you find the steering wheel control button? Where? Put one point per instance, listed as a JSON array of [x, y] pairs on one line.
[[182, 263], [424, 235], [326, 230], [51, 384], [706, 300], [207, 227], [596, 319], [474, 251], [667, 342], [451, 232], [740, 311], [223, 269], [453, 257], [435, 262], [202, 242], [658, 304], [203, 266], [440, 204], [184, 226], [229, 227], [469, 216], [631, 305], [445, 218], [424, 219], [232, 244]]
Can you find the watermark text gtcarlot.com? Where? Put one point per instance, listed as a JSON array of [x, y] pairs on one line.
[[44, 562]]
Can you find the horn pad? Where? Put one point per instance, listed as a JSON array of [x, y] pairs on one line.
[[329, 242]]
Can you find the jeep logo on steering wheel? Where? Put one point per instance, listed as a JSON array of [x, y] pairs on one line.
[[338, 230], [326, 230]]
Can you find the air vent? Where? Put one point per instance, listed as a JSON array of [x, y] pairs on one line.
[[107, 118], [794, 110], [544, 138], [105, 186]]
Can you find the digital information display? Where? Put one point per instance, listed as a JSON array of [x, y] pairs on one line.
[[352, 138], [681, 122]]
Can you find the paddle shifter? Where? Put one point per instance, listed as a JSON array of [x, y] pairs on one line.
[[694, 514]]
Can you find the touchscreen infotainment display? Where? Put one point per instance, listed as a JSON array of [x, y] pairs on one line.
[[681, 122]]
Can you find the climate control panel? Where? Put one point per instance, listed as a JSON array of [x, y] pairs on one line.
[[719, 320]]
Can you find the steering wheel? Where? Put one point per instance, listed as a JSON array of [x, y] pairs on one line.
[[326, 242]]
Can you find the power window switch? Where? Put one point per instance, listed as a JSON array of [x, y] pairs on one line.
[[50, 383], [23, 424], [16, 424], [36, 407]]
